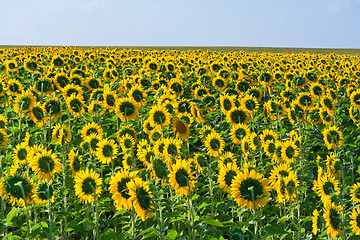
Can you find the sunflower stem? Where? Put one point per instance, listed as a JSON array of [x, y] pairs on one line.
[[211, 189], [255, 213], [28, 228]]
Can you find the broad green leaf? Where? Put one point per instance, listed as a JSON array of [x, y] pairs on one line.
[[214, 222]]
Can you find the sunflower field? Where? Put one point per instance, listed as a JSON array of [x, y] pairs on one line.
[[146, 144]]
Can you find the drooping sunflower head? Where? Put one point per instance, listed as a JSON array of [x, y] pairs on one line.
[[181, 128]]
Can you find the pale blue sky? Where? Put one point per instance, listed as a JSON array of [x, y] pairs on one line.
[[253, 23]]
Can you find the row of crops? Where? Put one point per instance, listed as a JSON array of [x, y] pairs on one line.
[[134, 144]]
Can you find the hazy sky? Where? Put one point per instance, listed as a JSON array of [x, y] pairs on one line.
[[253, 23]]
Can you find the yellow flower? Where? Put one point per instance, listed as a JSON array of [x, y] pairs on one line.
[[226, 175], [250, 189], [141, 197], [355, 220], [45, 164], [106, 150], [214, 144], [181, 177], [333, 137], [332, 215], [119, 189], [87, 185]]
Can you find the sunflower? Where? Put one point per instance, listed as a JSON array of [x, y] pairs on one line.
[[127, 108], [14, 87], [146, 155], [200, 91], [225, 158], [355, 193], [57, 62], [70, 89], [21, 153], [126, 142], [87, 185], [138, 94], [3, 122], [250, 189], [275, 108], [75, 161], [328, 103], [106, 150], [90, 128], [269, 148], [76, 105], [141, 197], [332, 215], [181, 128], [24, 101], [219, 83], [61, 80], [316, 222], [53, 107], [45, 164], [181, 178], [159, 170], [268, 134], [238, 115], [326, 186], [226, 175], [214, 144], [238, 132], [354, 114], [43, 192], [305, 100], [196, 112], [200, 161], [61, 134], [17, 189], [250, 103], [126, 130], [159, 116], [172, 147], [287, 188], [93, 83], [96, 108], [254, 141], [355, 98], [110, 99], [317, 90], [93, 139], [176, 86], [43, 86], [227, 102], [38, 114], [333, 137], [119, 189], [278, 172], [289, 151], [355, 220], [333, 164]]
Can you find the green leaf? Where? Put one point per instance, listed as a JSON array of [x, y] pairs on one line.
[[13, 212], [354, 238], [108, 234], [274, 230], [214, 222], [150, 232], [172, 234]]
